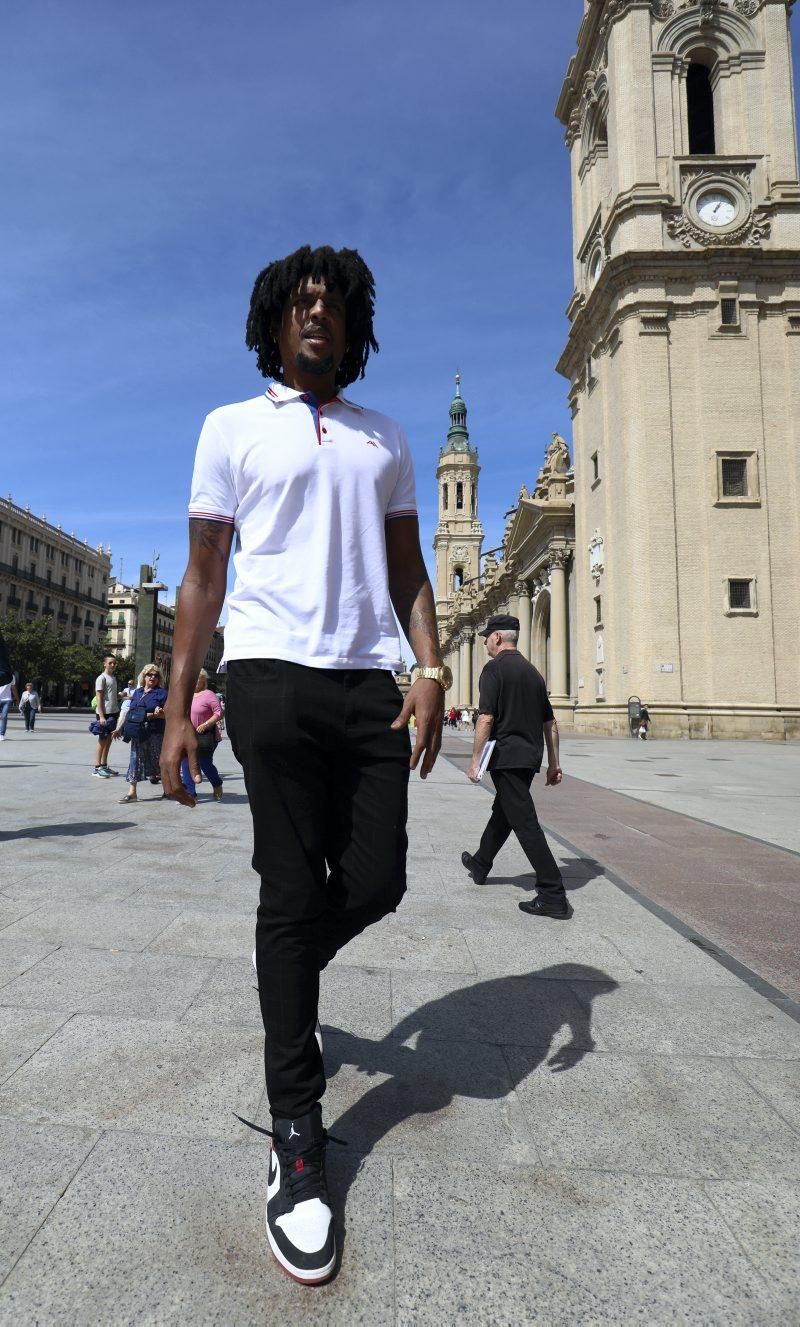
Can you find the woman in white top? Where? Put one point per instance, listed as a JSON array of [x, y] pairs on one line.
[[29, 706], [8, 694]]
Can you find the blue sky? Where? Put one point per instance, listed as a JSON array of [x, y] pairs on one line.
[[156, 156]]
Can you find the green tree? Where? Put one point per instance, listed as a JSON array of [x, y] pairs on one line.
[[36, 651]]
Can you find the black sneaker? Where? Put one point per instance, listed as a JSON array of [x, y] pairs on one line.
[[561, 910], [299, 1219], [477, 873]]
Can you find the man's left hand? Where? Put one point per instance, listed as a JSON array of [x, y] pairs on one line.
[[425, 700], [472, 772]]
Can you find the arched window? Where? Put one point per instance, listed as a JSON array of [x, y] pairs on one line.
[[472, 499], [459, 497], [444, 497], [458, 578], [700, 108]]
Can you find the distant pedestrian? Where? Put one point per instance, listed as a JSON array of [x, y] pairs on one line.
[[29, 706], [144, 726], [107, 712], [465, 718], [515, 710], [206, 716], [644, 723], [128, 689], [8, 697]]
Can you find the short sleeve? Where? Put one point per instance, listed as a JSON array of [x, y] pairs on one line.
[[213, 497], [99, 683], [547, 709], [488, 691], [403, 501]]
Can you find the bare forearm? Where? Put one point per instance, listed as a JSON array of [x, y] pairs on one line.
[[551, 738], [416, 613], [483, 731], [198, 613]]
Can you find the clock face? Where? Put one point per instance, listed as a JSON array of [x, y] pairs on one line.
[[717, 208]]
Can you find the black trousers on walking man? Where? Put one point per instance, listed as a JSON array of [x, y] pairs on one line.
[[513, 811]]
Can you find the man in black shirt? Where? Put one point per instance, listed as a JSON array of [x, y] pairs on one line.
[[515, 710]]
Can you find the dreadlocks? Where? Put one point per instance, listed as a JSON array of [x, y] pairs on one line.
[[343, 269]]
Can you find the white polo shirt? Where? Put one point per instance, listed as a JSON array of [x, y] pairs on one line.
[[308, 491]]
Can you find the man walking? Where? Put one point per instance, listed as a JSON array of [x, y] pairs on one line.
[[515, 710], [107, 713], [320, 493]]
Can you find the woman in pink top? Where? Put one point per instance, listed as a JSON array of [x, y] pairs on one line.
[[206, 716]]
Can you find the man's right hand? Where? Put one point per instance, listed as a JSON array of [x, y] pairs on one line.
[[180, 742], [554, 775]]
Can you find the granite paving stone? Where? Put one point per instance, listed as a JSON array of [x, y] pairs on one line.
[[393, 943], [207, 934], [38, 1164], [22, 1032], [563, 1247], [99, 924], [167, 1230], [18, 957], [765, 1217], [162, 1077], [77, 978], [544, 1123], [653, 1115], [693, 1020]]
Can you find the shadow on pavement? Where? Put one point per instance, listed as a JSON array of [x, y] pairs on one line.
[[75, 830], [446, 1062], [576, 871]]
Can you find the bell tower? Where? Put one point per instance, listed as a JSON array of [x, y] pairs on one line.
[[683, 363], [459, 533]]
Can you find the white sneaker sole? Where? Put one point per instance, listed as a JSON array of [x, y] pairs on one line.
[[300, 1274], [318, 1030]]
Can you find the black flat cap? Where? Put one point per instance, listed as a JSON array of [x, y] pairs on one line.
[[500, 622]]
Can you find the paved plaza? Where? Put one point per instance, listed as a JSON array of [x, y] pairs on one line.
[[550, 1123]]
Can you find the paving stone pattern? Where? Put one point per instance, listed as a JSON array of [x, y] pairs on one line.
[[547, 1123]]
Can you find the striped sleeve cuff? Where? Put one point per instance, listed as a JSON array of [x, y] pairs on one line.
[[401, 511], [211, 516]]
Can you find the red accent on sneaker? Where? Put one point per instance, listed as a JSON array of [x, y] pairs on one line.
[[299, 1164]]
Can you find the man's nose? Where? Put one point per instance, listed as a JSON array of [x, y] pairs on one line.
[[318, 311]]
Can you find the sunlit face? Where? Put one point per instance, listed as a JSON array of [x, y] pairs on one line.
[[312, 335]]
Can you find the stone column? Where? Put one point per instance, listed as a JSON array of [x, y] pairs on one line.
[[558, 624], [455, 667], [479, 659], [466, 671], [524, 615]]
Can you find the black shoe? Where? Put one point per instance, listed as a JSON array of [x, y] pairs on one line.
[[299, 1219], [478, 875], [542, 907]]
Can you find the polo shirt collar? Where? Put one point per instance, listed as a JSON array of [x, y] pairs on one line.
[[279, 394]]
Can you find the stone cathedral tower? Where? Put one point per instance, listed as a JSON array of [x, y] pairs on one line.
[[459, 533], [684, 365]]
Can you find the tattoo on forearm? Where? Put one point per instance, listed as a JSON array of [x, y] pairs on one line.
[[211, 536]]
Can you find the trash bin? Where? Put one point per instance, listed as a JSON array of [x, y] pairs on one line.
[[634, 715]]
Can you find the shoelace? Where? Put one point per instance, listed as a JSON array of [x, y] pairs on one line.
[[305, 1181]]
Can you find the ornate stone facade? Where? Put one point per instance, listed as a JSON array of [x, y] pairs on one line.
[[683, 361], [532, 578]]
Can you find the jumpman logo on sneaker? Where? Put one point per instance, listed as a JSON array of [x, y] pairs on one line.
[[293, 1132]]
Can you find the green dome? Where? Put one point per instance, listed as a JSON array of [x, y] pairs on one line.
[[458, 433]]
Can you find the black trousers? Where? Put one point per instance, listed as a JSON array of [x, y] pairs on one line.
[[327, 781], [513, 810]]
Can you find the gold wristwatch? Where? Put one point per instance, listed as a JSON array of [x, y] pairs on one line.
[[441, 674]]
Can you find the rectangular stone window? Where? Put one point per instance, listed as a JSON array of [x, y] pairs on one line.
[[459, 497], [740, 596], [595, 468], [729, 312], [598, 610], [737, 479], [734, 477], [444, 497]]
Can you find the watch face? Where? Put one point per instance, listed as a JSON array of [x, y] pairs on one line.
[[717, 208], [447, 678]]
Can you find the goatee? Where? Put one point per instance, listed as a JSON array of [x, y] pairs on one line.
[[318, 366]]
